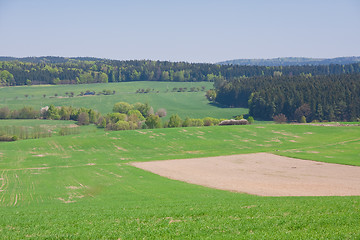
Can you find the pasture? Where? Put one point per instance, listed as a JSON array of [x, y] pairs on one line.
[[81, 186], [186, 104]]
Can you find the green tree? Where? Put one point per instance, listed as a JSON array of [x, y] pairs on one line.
[[303, 119], [135, 116], [153, 121], [6, 78], [83, 118], [121, 125], [250, 120], [175, 121], [211, 95], [143, 108], [122, 107]]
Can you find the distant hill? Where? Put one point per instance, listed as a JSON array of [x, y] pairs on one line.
[[49, 59], [292, 61]]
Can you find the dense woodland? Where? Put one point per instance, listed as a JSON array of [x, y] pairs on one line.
[[57, 70], [324, 97]]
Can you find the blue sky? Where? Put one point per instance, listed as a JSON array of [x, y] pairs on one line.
[[186, 30]]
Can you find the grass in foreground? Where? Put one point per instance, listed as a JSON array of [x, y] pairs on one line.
[[81, 187]]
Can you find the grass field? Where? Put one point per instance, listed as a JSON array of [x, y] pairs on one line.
[[81, 187], [191, 104]]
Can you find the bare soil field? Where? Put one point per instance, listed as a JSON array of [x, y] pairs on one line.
[[262, 174]]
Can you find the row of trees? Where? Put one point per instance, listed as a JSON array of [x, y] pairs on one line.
[[327, 97], [77, 71], [125, 116]]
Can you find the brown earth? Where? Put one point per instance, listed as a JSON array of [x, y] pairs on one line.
[[262, 174]]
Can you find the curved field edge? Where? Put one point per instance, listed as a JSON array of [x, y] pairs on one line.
[[327, 144], [79, 187]]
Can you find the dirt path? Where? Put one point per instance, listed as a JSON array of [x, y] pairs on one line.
[[262, 174]]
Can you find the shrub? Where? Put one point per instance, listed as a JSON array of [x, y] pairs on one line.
[[83, 119], [161, 112], [175, 121], [121, 125], [211, 95], [135, 116], [115, 117], [4, 113], [28, 113], [250, 120], [209, 121], [303, 119], [143, 108], [186, 122], [122, 107], [281, 118], [153, 121], [195, 122]]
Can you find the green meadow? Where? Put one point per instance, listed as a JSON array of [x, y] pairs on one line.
[[82, 187], [186, 104]]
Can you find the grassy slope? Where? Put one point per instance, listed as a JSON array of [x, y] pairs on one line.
[[192, 104], [114, 200]]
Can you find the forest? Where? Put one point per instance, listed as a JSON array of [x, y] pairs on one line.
[[58, 70], [319, 98]]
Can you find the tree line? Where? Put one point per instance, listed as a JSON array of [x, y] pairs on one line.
[[52, 70], [321, 98], [125, 116]]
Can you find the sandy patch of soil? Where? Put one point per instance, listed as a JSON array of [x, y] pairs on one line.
[[120, 148], [262, 174]]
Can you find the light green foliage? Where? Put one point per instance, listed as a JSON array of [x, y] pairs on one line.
[[114, 117], [121, 125], [143, 108], [303, 119], [122, 107], [52, 113], [211, 95], [209, 121], [175, 121], [239, 117], [135, 116], [153, 121], [6, 78], [250, 120]]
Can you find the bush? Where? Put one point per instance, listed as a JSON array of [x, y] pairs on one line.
[[161, 112], [83, 119], [115, 117], [175, 121], [135, 116], [121, 125], [303, 119], [281, 118], [122, 107], [153, 121], [250, 120], [4, 113], [143, 108], [195, 122], [209, 121], [239, 117]]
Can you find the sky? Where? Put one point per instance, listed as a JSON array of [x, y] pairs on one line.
[[180, 30]]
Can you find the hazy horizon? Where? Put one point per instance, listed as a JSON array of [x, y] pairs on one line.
[[191, 31]]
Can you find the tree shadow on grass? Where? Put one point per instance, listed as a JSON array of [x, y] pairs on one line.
[[215, 104]]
